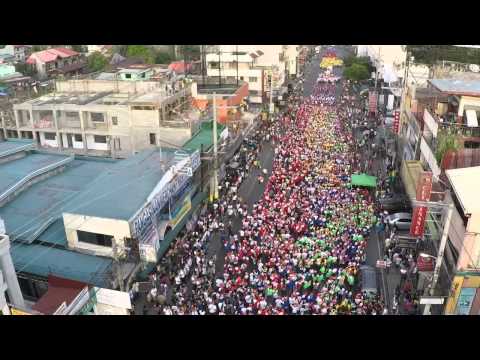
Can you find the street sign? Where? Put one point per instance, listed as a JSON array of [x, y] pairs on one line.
[[432, 300], [424, 190]]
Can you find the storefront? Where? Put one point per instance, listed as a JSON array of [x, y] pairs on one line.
[[464, 295]]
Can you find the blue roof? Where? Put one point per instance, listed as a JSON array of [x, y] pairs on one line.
[[13, 171], [124, 188], [457, 87], [42, 260], [49, 198], [11, 144]]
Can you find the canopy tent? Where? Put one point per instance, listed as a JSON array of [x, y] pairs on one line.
[[364, 180]]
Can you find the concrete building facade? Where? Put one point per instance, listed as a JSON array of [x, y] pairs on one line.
[[105, 118]]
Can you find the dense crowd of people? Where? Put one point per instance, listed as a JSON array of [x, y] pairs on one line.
[[299, 249]]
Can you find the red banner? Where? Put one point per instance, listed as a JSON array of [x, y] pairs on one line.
[[424, 191], [372, 101], [396, 122]]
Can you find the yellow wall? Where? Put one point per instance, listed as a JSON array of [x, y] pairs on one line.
[[452, 300], [119, 229]]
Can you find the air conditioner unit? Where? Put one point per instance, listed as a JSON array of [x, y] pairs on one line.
[[474, 68]]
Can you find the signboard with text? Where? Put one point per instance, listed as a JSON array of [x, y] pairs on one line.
[[372, 101], [424, 190], [396, 121]]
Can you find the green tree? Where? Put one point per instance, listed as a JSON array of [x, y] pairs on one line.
[[356, 72], [142, 52], [447, 140], [79, 48], [162, 57], [97, 61], [191, 52]]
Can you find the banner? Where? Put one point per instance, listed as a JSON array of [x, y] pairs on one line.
[[424, 190], [372, 101], [465, 301], [396, 121]]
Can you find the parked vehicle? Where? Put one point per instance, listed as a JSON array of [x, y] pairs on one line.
[[395, 202], [369, 280], [400, 221]]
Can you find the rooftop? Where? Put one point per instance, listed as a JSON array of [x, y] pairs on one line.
[[46, 260], [464, 182], [204, 136], [50, 55], [14, 171], [47, 199], [457, 87], [13, 145], [133, 178]]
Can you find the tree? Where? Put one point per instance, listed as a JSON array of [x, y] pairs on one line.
[[79, 48], [142, 52], [191, 52], [162, 57], [356, 72], [97, 61]]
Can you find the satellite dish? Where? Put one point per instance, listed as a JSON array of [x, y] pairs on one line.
[[474, 68]]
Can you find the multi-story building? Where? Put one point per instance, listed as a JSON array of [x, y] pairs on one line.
[[52, 62], [258, 65], [105, 118], [9, 287], [389, 60], [18, 52]]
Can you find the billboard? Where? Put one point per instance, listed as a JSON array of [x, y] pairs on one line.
[[465, 301], [424, 190]]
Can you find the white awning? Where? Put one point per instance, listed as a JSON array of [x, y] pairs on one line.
[[472, 120]]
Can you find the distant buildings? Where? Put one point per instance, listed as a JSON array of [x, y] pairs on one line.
[[57, 61]]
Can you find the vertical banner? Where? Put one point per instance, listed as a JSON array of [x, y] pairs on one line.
[[454, 294], [424, 190], [465, 301], [372, 101], [396, 121]]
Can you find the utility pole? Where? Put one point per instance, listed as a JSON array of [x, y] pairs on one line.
[[441, 250], [214, 179], [271, 95], [236, 52], [117, 268]]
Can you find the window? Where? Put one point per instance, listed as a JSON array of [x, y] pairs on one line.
[[78, 138], [114, 120], [99, 139], [241, 78], [252, 79], [153, 139], [143, 76], [97, 117], [73, 114], [50, 136], [95, 239], [128, 76], [214, 65]]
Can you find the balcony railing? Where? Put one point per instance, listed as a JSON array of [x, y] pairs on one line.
[[460, 129]]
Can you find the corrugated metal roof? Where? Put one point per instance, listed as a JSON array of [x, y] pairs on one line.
[[204, 136], [458, 87], [42, 261], [464, 182], [132, 180]]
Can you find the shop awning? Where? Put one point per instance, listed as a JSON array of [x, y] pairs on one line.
[[472, 120], [364, 180]]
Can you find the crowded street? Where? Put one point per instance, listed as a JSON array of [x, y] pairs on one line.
[[289, 232]]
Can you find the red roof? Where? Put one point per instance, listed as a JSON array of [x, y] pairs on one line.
[[59, 290], [49, 55]]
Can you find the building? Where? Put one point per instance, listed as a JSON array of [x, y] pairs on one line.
[[258, 65], [57, 61], [103, 49], [446, 111], [389, 60], [106, 118], [464, 242], [9, 287], [72, 216], [138, 72], [18, 52]]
